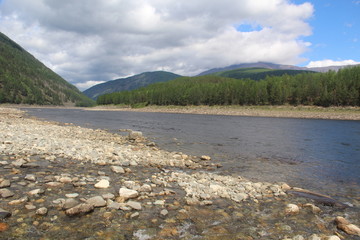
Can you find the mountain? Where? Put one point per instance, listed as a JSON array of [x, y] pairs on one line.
[[24, 79], [271, 66], [257, 73], [130, 83]]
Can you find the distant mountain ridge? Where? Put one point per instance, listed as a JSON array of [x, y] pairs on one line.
[[129, 83], [271, 66], [24, 79]]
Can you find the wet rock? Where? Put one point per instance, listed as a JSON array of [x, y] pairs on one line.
[[18, 163], [108, 196], [30, 177], [205, 158], [346, 226], [114, 205], [4, 214], [6, 193], [128, 193], [134, 215], [313, 208], [334, 237], [80, 209], [314, 237], [3, 227], [117, 169], [19, 201], [69, 203], [133, 135], [164, 212], [30, 206], [145, 188], [298, 237], [42, 211], [65, 180], [36, 191], [134, 205], [71, 195], [53, 184], [5, 183], [292, 209], [97, 201], [102, 184]]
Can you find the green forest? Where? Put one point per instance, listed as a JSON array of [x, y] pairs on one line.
[[340, 88], [24, 79]]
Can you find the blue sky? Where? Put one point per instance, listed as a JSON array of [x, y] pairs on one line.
[[335, 30], [89, 42]]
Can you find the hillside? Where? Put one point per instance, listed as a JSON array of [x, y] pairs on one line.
[[24, 79], [332, 88], [130, 83], [271, 66], [257, 73]]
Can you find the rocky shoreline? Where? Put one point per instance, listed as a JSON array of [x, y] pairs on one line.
[[307, 112], [62, 181]]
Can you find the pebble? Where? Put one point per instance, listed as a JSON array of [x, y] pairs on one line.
[[71, 195], [292, 209], [128, 193], [117, 169], [80, 209], [164, 212], [5, 183], [6, 193], [4, 214], [42, 211], [102, 184], [30, 177], [96, 201], [134, 205]]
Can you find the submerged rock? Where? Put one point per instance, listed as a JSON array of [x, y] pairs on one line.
[[80, 209], [4, 214]]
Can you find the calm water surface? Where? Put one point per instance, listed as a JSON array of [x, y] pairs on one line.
[[320, 155]]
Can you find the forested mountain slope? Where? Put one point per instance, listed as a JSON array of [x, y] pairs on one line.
[[340, 88], [130, 83], [24, 79]]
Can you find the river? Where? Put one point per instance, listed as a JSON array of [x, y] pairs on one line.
[[319, 155]]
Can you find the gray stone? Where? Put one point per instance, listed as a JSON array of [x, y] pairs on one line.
[[117, 169], [69, 203], [97, 201], [5, 183], [114, 205], [42, 211], [18, 163], [71, 195], [164, 212], [36, 191], [133, 135], [30, 177], [4, 214], [80, 209], [134, 205], [5, 193], [108, 196], [145, 188]]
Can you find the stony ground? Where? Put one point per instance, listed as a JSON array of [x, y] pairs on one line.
[[65, 182], [312, 112]]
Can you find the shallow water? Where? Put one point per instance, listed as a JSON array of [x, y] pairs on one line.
[[320, 155]]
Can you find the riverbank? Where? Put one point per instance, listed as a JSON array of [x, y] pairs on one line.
[[335, 113], [62, 181]]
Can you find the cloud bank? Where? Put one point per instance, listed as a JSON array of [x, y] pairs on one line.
[[328, 62], [90, 41]]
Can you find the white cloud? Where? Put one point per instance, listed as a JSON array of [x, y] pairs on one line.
[[328, 63], [87, 84], [86, 41]]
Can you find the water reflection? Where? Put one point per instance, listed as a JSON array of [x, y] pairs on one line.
[[317, 154]]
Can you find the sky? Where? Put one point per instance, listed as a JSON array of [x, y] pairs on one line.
[[91, 41]]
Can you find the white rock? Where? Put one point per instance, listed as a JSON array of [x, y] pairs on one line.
[[117, 169], [30, 177], [333, 237], [128, 193], [292, 209], [42, 211], [102, 184], [72, 195], [164, 212]]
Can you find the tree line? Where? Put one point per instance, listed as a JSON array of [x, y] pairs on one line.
[[340, 88]]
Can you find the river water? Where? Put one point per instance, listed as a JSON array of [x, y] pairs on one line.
[[319, 155]]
